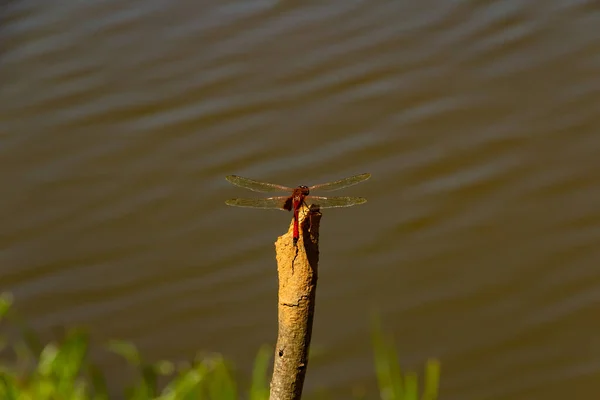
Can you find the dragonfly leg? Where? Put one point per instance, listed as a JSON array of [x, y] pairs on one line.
[[307, 211]]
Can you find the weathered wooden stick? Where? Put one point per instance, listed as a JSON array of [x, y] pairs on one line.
[[297, 269]]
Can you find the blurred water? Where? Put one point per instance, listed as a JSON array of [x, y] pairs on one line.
[[478, 121]]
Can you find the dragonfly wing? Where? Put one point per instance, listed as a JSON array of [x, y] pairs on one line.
[[257, 186], [269, 202], [332, 202], [342, 183]]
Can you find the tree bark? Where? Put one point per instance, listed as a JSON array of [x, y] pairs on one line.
[[297, 268]]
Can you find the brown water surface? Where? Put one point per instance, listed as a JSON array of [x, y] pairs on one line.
[[478, 120]]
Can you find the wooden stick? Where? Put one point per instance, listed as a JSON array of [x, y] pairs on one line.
[[297, 269]]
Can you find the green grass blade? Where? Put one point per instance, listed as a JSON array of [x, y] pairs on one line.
[[8, 387], [432, 380], [411, 387], [47, 358], [221, 384], [386, 371], [187, 386], [397, 387], [98, 382], [126, 350], [6, 301], [71, 356], [259, 387]]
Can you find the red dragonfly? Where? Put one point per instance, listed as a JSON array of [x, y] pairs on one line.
[[296, 197]]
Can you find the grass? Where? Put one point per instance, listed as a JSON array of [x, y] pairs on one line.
[[61, 371]]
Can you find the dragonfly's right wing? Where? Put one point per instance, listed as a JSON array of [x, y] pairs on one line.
[[342, 183], [269, 202], [257, 186], [332, 202]]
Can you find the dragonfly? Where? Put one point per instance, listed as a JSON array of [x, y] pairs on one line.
[[296, 197]]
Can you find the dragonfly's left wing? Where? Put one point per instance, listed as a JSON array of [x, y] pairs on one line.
[[269, 202], [257, 186]]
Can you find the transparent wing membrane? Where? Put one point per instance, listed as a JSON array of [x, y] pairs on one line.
[[269, 202], [257, 186], [332, 202], [342, 183], [279, 201]]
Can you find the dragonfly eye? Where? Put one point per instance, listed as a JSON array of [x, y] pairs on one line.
[[305, 190]]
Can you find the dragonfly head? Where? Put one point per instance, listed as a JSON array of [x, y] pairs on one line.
[[305, 190]]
